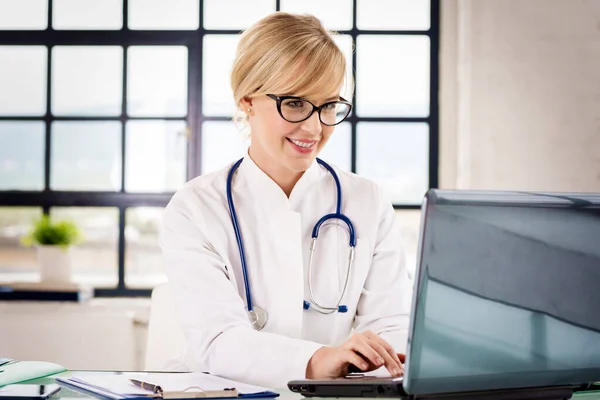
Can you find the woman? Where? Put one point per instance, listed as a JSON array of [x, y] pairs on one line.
[[286, 79]]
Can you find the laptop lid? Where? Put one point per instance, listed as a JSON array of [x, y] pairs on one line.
[[507, 292]]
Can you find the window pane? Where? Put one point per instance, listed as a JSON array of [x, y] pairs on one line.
[[17, 263], [23, 80], [143, 261], [87, 14], [392, 76], [393, 14], [95, 260], [338, 150], [164, 14], [157, 81], [22, 155], [219, 53], [220, 14], [396, 155], [410, 223], [156, 156], [86, 155], [344, 42], [222, 144], [23, 14], [334, 14], [86, 80]]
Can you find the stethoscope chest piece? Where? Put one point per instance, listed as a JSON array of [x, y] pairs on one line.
[[258, 318]]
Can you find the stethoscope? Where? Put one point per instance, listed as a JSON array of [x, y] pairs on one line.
[[258, 316]]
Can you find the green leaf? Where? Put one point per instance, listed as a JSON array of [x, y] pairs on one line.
[[53, 233]]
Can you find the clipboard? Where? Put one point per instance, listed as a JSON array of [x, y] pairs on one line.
[[192, 392], [104, 394], [200, 394], [176, 386]]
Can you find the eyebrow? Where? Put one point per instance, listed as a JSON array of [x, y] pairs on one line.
[[334, 98]]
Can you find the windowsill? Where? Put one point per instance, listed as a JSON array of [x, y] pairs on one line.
[[99, 282], [139, 307]]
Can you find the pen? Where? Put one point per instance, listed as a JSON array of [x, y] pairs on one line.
[[147, 386]]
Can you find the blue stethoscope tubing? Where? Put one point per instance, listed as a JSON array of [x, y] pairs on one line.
[[257, 315]]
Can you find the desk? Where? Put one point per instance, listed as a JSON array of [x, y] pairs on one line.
[[285, 394]]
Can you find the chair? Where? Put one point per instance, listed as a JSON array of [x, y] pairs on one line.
[[166, 343]]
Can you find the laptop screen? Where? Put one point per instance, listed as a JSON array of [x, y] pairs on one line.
[[508, 292]]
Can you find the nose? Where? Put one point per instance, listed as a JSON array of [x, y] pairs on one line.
[[312, 124]]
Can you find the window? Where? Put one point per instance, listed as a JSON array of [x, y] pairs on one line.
[[108, 106]]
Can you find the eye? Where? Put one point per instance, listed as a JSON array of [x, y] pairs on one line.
[[330, 106], [294, 104]]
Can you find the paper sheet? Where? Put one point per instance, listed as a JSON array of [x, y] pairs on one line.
[[169, 382]]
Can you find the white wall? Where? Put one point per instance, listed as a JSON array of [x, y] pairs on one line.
[[521, 94], [519, 98]]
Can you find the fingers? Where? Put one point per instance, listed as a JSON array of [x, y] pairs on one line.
[[390, 363], [377, 351], [395, 367], [352, 357], [366, 349], [372, 336]]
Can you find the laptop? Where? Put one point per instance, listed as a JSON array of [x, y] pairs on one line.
[[506, 300]]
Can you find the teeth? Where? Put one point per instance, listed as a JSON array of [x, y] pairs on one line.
[[303, 144]]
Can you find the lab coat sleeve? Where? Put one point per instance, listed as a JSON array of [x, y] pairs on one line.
[[213, 315], [384, 304]]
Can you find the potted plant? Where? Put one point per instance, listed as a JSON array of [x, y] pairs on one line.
[[53, 240]]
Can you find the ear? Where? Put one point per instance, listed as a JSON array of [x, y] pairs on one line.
[[246, 105]]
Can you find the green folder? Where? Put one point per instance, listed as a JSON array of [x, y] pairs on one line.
[[21, 371]]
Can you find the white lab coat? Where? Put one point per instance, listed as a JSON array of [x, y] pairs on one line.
[[203, 266]]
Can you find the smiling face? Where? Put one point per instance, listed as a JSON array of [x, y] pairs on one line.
[[286, 55], [287, 145]]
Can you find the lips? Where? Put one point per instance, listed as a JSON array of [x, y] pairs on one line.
[[307, 144], [303, 146]]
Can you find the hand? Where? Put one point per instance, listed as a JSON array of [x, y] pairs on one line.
[[365, 350]]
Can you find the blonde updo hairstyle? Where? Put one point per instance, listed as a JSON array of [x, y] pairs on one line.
[[286, 54]]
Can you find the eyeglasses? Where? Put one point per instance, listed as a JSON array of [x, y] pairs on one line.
[[297, 109]]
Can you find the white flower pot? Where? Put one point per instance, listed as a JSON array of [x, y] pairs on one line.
[[55, 263]]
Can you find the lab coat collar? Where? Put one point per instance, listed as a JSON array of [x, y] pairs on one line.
[[260, 183]]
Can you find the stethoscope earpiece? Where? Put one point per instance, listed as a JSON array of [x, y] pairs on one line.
[[341, 309]]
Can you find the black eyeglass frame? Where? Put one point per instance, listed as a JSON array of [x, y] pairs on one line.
[[279, 99]]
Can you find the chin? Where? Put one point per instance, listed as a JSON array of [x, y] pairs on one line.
[[300, 164]]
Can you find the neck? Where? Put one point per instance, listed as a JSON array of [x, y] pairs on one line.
[[284, 178]]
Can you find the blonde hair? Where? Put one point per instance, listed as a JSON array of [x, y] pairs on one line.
[[286, 54]]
